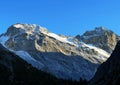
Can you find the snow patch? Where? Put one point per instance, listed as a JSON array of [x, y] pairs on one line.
[[27, 57], [18, 26], [100, 51], [62, 39], [3, 40]]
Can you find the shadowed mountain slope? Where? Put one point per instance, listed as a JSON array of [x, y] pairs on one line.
[[109, 72]]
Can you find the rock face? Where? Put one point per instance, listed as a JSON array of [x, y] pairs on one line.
[[16, 71], [63, 56], [102, 38], [109, 72]]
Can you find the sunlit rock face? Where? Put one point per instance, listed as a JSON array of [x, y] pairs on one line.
[[63, 56], [101, 37]]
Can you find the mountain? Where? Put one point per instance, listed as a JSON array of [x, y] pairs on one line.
[[62, 56], [16, 71], [109, 72], [100, 37]]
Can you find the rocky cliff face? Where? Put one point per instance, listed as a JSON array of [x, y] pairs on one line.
[[16, 71], [63, 56], [102, 38], [109, 72]]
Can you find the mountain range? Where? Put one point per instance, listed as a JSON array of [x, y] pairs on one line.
[[64, 57]]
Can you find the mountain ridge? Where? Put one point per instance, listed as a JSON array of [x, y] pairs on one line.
[[101, 37], [55, 54]]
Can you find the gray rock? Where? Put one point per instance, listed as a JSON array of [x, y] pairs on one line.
[[102, 38]]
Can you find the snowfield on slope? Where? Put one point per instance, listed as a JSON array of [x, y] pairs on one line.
[[104, 54], [27, 57], [3, 39]]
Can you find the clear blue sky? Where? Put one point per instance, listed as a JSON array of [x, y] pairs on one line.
[[69, 17]]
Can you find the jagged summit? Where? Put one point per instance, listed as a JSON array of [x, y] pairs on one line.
[[31, 27], [96, 32], [101, 29], [101, 37], [26, 28], [33, 30]]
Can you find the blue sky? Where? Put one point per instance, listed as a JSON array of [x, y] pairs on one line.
[[68, 17]]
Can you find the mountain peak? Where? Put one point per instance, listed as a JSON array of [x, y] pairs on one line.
[[30, 27], [106, 39], [25, 28], [99, 29]]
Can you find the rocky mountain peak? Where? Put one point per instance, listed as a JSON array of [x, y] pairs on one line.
[[25, 28], [97, 32], [101, 37], [101, 29]]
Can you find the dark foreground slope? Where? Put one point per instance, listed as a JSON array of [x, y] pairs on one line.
[[15, 71], [109, 72]]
